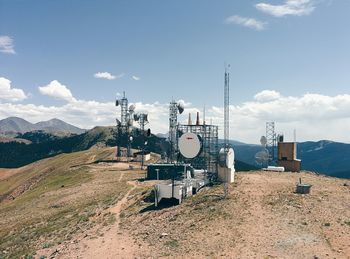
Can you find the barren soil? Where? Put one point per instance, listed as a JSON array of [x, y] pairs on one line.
[[81, 209], [262, 218]]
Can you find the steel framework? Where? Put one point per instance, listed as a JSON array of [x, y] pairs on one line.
[[143, 120], [124, 125], [173, 112], [208, 157], [271, 138]]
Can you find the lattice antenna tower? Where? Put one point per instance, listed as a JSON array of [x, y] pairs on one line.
[[271, 138], [175, 108], [126, 121], [124, 112], [142, 119]]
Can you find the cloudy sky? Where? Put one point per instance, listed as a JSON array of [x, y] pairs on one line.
[[289, 60]]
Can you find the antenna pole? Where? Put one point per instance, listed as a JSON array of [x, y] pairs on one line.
[[226, 108], [226, 123], [204, 115]]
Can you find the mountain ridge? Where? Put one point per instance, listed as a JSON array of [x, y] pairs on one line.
[[13, 125]]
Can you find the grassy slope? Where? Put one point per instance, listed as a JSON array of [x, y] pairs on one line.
[[65, 196]]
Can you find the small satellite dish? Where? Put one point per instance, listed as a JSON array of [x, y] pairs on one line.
[[263, 140], [180, 107], [131, 138], [132, 107], [189, 145], [117, 102], [262, 157]]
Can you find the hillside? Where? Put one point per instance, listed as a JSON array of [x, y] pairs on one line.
[[13, 125], [38, 145], [50, 201], [325, 157], [16, 154], [70, 207]]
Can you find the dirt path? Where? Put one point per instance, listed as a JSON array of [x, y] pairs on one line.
[[113, 243]]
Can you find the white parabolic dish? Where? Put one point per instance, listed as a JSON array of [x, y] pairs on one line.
[[189, 145]]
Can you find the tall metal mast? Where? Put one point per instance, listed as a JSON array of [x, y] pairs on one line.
[[226, 122], [227, 108]]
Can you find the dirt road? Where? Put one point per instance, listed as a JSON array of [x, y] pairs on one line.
[[113, 242]]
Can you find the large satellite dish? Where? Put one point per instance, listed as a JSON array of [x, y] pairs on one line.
[[189, 145], [117, 102]]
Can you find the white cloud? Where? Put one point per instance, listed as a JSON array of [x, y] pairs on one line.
[[290, 7], [136, 78], [8, 93], [6, 45], [107, 75], [315, 116], [267, 95], [246, 22], [57, 90]]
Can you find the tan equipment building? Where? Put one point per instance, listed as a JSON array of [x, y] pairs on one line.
[[287, 156]]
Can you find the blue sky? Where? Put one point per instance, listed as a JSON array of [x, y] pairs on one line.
[[176, 49]]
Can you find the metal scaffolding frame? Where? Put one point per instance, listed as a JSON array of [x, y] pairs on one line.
[[124, 125], [124, 118], [208, 157], [173, 112], [271, 143]]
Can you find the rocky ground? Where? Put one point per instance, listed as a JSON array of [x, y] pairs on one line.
[[262, 218], [76, 208]]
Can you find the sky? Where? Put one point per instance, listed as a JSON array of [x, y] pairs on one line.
[[289, 62]]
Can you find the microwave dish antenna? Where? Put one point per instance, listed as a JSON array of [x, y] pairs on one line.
[[189, 145]]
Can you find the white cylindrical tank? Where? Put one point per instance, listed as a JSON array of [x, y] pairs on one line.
[[227, 158]]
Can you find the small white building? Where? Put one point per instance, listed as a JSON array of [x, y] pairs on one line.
[[138, 156]]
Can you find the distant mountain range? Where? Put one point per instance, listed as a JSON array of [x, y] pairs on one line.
[[36, 141], [42, 145], [13, 125], [325, 157]]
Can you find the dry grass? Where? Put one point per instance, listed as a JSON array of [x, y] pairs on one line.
[[262, 217], [67, 197]]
